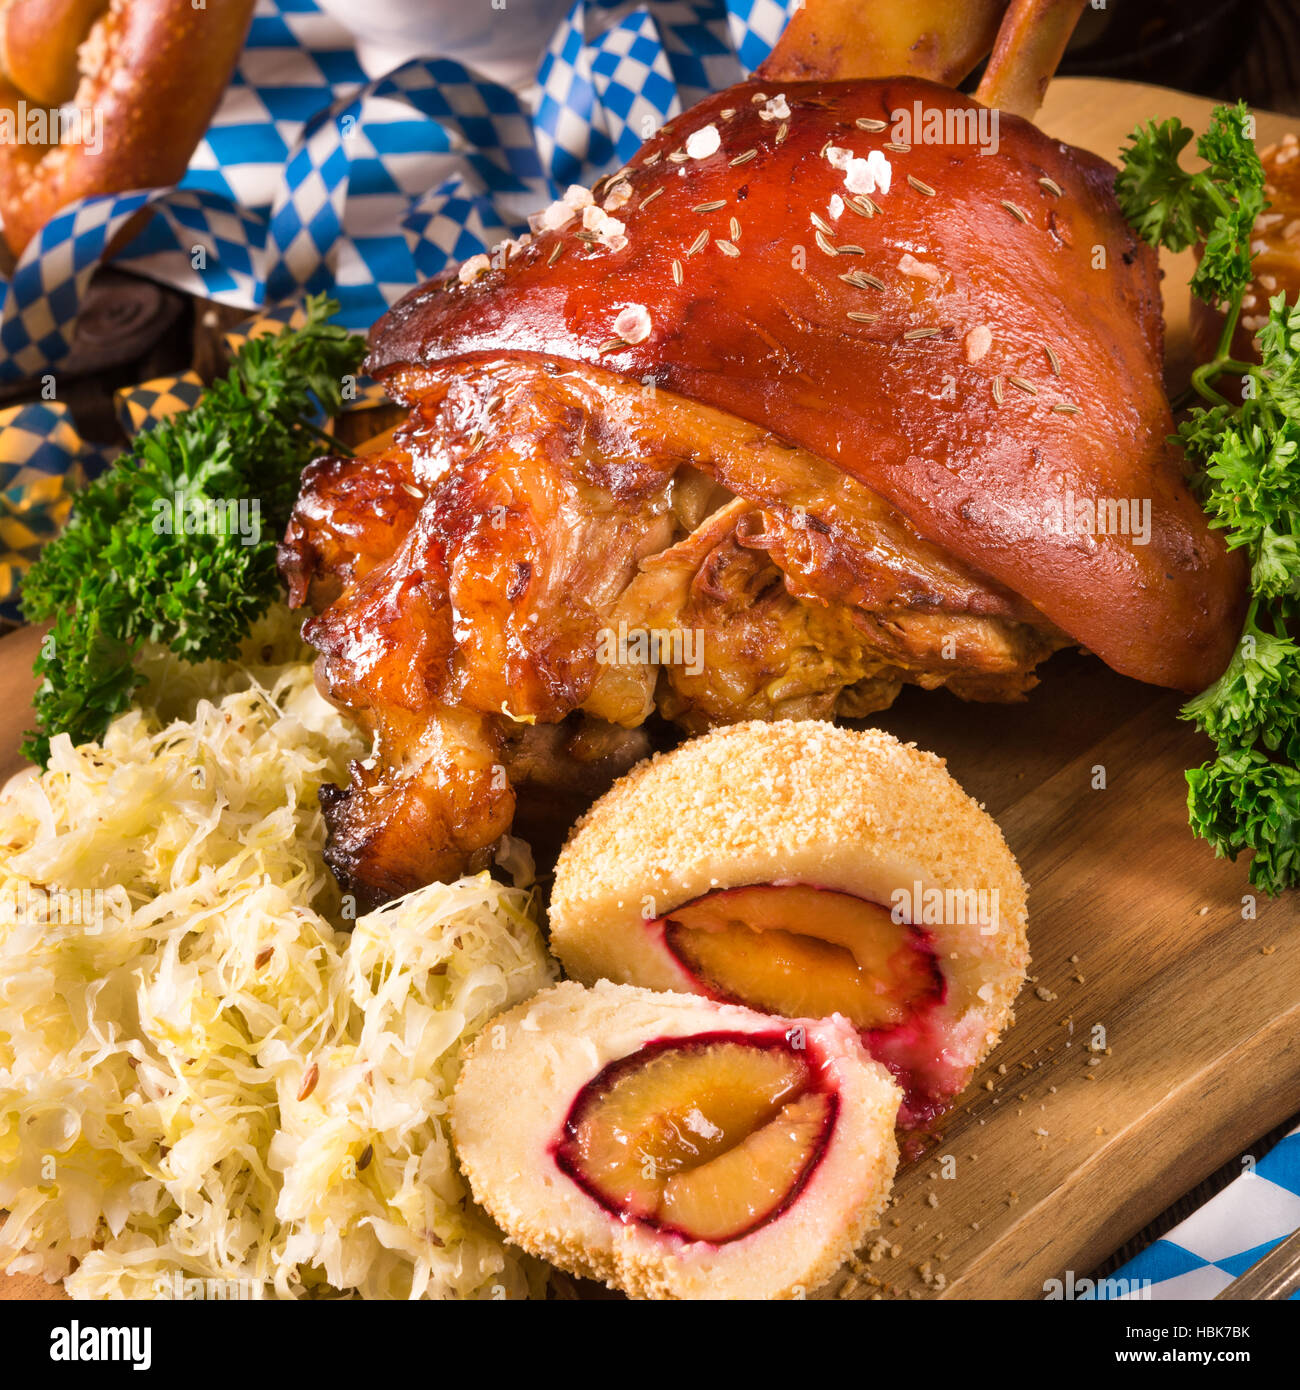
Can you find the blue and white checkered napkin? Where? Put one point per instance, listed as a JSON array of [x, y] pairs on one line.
[[1204, 1254], [314, 176]]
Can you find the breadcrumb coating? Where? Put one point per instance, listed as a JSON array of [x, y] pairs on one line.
[[802, 801]]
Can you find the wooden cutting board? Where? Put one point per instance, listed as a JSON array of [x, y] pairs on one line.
[[1051, 1163]]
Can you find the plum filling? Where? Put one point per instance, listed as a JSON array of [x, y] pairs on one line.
[[706, 1137], [808, 952]]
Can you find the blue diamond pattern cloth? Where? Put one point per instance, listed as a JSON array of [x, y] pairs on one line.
[[1222, 1239], [317, 176]]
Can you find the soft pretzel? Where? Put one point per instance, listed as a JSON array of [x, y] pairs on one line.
[[38, 45], [149, 73]]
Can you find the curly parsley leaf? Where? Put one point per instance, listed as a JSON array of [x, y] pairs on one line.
[[1163, 203], [1237, 179], [1172, 207], [1244, 801], [1248, 797], [1251, 488], [1257, 699], [175, 543], [1245, 467], [1279, 342]]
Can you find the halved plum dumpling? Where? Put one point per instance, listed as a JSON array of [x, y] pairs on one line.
[[791, 948], [807, 870], [708, 1136], [675, 1147]]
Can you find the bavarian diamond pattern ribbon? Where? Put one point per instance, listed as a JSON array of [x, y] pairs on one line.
[[139, 407], [43, 460]]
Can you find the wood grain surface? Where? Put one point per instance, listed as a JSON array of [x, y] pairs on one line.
[[1059, 1153]]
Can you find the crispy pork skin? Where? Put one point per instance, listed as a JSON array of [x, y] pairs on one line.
[[773, 449], [470, 576], [766, 335]]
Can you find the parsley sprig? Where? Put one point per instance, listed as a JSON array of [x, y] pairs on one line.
[[1217, 205], [1244, 463], [121, 574]]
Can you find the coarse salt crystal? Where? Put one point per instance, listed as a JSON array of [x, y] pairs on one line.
[[508, 249], [869, 175], [633, 324], [978, 342], [473, 268], [858, 177], [836, 207], [700, 144], [776, 109], [577, 196], [596, 220], [617, 196], [909, 265], [558, 215]]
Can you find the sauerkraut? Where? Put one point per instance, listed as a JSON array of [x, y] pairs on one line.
[[209, 1086]]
